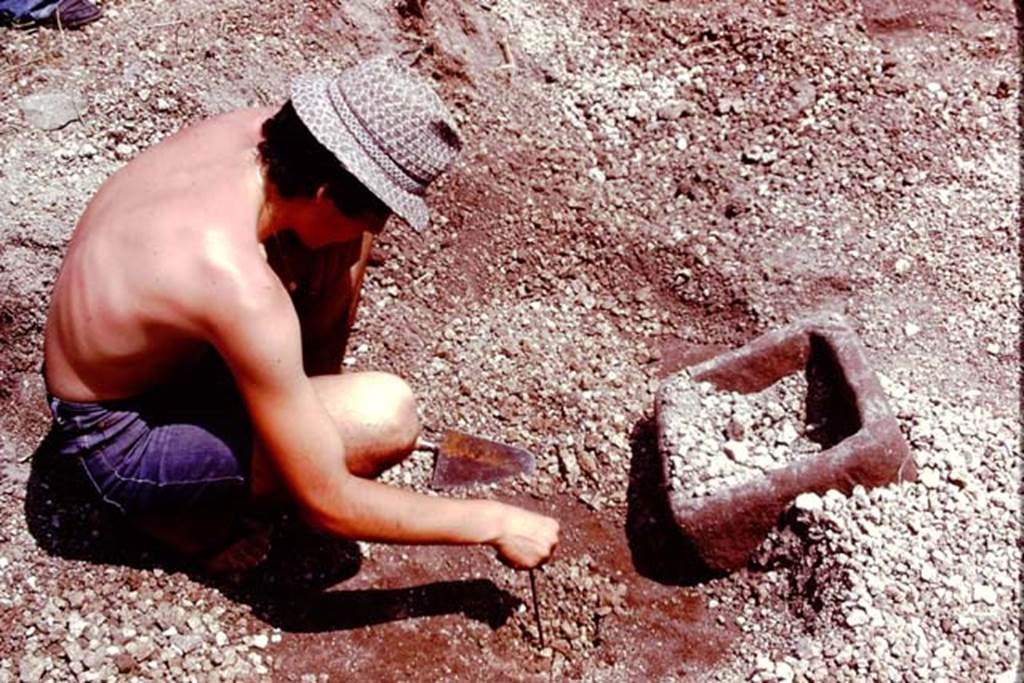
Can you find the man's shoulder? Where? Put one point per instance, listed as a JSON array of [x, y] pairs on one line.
[[208, 280], [233, 274], [241, 307], [246, 121]]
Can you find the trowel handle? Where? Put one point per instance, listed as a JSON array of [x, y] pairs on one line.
[[425, 445]]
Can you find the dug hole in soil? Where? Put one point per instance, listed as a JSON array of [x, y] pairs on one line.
[[644, 184]]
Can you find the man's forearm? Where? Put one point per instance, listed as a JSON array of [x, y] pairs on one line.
[[327, 309], [368, 510], [323, 344], [309, 455]]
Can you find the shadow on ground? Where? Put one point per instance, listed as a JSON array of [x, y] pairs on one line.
[[289, 590], [659, 551]]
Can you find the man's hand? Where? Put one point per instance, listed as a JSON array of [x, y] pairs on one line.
[[527, 539]]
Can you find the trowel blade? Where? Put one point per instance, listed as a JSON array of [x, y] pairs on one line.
[[464, 459]]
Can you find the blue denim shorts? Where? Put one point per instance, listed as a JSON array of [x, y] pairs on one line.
[[161, 453]]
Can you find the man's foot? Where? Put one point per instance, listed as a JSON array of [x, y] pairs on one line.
[[245, 549], [63, 14], [73, 14]]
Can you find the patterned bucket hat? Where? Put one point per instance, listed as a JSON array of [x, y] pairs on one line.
[[385, 125]]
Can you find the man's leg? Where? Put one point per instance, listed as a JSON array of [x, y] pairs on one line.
[[376, 415], [375, 412]]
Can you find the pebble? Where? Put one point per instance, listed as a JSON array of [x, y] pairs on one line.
[[76, 624], [94, 659], [784, 672], [671, 111], [186, 643], [804, 94], [959, 476], [929, 478], [142, 649], [737, 450], [857, 617], [787, 435], [736, 428], [31, 669], [810, 502], [124, 663], [51, 110], [728, 105], [983, 593]]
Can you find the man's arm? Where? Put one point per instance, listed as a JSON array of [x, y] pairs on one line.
[[329, 283], [329, 303], [256, 330]]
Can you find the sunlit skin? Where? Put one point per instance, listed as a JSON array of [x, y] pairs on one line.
[[167, 262]]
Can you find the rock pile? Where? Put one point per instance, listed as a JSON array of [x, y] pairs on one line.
[[572, 405], [909, 582]]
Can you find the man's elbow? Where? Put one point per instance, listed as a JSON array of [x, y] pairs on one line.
[[326, 510]]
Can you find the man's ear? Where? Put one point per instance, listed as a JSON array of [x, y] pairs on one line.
[[321, 193]]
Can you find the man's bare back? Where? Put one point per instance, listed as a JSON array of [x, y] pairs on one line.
[[137, 274]]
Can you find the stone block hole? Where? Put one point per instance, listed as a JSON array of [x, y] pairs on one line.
[[831, 413]]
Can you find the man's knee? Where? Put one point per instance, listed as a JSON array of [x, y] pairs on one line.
[[393, 410]]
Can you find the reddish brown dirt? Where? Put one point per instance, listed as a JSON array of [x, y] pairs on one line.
[[400, 589], [586, 244]]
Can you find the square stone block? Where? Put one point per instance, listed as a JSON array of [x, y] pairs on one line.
[[861, 440]]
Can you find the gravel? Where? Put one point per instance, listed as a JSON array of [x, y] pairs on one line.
[[910, 581], [588, 385], [158, 638], [730, 438]]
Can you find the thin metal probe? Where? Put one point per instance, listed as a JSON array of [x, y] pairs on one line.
[[536, 608]]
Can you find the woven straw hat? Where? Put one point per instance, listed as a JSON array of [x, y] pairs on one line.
[[385, 125]]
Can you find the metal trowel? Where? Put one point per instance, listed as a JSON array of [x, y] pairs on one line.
[[463, 459]]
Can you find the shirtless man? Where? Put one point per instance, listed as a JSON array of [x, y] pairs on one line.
[[206, 292]]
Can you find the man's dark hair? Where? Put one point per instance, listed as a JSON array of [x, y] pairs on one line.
[[298, 165]]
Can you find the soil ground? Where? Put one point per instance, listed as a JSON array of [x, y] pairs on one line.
[[643, 183]]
